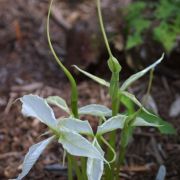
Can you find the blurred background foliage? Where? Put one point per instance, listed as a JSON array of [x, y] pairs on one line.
[[158, 19]]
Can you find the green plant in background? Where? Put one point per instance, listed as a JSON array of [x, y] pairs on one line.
[[162, 18], [136, 24], [77, 136]]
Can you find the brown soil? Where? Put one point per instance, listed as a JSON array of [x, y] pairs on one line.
[[26, 67]]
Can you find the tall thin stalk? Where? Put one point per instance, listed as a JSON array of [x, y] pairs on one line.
[[114, 89], [102, 28]]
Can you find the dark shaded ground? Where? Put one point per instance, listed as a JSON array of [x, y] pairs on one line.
[[26, 67]]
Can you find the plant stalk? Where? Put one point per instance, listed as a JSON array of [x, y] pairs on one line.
[[102, 28], [70, 169], [114, 90], [121, 156], [74, 91]]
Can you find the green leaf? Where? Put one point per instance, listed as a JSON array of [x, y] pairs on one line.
[[76, 125], [127, 136], [166, 9], [116, 122], [127, 102], [37, 107], [126, 96], [140, 25], [95, 110], [93, 77], [58, 101], [77, 145], [165, 34], [138, 75], [141, 122], [165, 128], [95, 167], [32, 156], [134, 11], [133, 40]]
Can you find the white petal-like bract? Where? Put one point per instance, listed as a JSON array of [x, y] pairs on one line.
[[77, 145], [59, 102], [116, 122], [32, 156], [95, 167], [35, 106], [95, 110], [79, 126]]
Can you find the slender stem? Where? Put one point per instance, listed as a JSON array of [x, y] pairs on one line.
[[110, 147], [76, 167], [120, 162], [113, 92], [70, 169], [149, 87], [72, 164], [83, 166], [122, 156], [122, 152], [74, 92], [102, 28]]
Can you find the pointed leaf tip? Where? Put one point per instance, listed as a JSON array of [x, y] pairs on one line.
[[77, 145], [116, 122], [32, 156], [37, 107], [138, 75], [93, 77]]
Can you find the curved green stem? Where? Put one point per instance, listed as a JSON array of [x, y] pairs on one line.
[[149, 87], [102, 28], [74, 92], [111, 148]]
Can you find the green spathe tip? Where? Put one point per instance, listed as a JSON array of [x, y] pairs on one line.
[[114, 65]]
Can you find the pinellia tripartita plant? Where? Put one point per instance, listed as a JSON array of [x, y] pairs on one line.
[[76, 135]]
